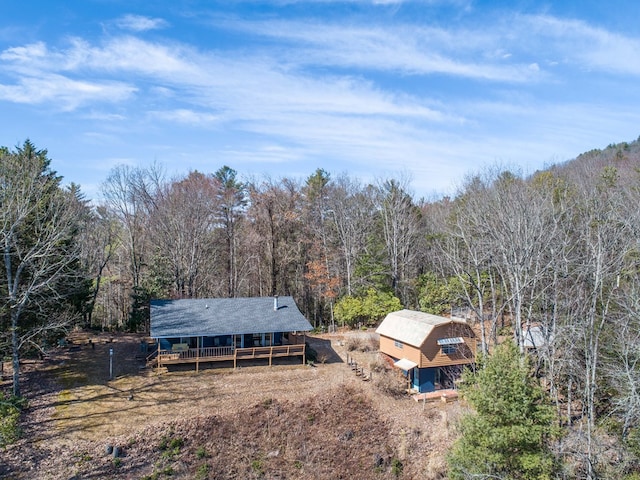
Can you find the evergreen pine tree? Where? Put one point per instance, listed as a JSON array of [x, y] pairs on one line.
[[508, 435]]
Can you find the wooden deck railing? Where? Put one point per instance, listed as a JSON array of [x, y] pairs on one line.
[[214, 354], [264, 352]]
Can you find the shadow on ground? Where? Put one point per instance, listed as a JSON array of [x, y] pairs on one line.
[[324, 350]]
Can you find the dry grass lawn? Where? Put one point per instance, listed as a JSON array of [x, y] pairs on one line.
[[75, 410]]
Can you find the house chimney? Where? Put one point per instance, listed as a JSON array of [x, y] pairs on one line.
[[275, 303]]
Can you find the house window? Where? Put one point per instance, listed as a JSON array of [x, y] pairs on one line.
[[449, 349], [397, 344]]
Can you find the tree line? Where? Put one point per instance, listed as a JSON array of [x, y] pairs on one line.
[[555, 251]]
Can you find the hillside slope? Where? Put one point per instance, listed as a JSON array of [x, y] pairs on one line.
[[285, 422]]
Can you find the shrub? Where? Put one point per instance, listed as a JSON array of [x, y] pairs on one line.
[[353, 344], [371, 344], [396, 467], [257, 466], [366, 309], [390, 383], [203, 471], [170, 446], [10, 408], [378, 365], [201, 452], [361, 343]]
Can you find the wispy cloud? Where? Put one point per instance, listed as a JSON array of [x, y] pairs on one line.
[[265, 154], [66, 93], [252, 87], [409, 49], [185, 116], [428, 97], [585, 45], [514, 50], [139, 23]]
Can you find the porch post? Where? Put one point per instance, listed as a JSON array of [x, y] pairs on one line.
[[304, 348], [197, 354], [159, 363]]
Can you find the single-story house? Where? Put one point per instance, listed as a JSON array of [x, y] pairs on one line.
[[430, 349], [221, 329]]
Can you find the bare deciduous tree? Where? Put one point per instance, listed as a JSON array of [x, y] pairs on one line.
[[98, 244], [349, 212], [401, 231], [182, 222]]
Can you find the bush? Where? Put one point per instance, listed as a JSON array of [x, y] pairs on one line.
[[362, 344], [353, 344], [378, 365], [368, 309], [390, 383], [203, 471], [372, 344], [10, 408], [201, 452], [396, 467], [170, 446]]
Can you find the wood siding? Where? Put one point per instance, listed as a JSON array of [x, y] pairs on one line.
[[387, 345], [430, 354]]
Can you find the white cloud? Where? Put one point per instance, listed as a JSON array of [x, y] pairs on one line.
[[409, 49], [265, 154], [26, 53], [104, 116], [246, 86], [185, 116], [139, 23], [503, 53], [67, 93], [579, 43], [288, 104], [131, 55]]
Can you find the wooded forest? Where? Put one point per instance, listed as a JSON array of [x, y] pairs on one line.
[[557, 249]]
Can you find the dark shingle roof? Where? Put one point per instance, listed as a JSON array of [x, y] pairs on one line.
[[225, 316]]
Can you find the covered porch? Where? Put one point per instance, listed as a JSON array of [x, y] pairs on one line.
[[196, 350]]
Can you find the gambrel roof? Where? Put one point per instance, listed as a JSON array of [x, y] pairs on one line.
[[412, 327], [210, 317]]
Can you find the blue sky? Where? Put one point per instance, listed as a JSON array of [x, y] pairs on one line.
[[429, 90]]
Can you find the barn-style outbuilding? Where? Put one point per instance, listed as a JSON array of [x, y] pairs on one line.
[[431, 349]]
